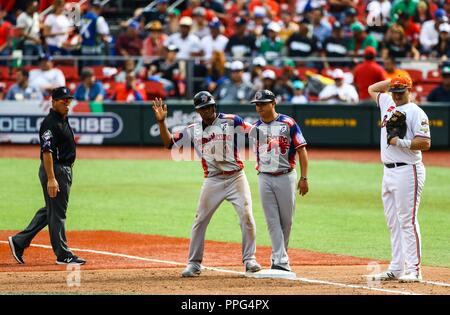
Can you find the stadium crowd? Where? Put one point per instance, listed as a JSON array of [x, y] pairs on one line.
[[303, 50]]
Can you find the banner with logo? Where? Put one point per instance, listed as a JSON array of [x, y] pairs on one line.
[[20, 122]]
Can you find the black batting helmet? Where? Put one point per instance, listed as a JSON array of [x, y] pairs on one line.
[[202, 99], [263, 96]]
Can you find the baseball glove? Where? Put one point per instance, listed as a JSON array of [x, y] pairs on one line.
[[396, 126]]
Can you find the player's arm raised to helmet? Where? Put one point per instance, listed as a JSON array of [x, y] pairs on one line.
[[377, 88], [160, 111]]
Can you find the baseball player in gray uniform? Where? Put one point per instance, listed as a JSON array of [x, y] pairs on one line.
[[277, 140], [215, 141]]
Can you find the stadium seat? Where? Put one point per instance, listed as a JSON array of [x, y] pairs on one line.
[[154, 89], [416, 75], [423, 89], [434, 76], [70, 72], [4, 73]]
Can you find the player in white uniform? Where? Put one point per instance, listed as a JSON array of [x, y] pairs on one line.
[[278, 139], [215, 141], [404, 177]]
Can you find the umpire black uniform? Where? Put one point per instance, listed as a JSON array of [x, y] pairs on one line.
[[55, 136]]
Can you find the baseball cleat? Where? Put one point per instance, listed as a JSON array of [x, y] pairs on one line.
[[17, 254], [72, 260], [252, 266], [281, 267], [384, 276], [415, 276], [190, 271]]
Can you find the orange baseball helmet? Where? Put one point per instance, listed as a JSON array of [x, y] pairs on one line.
[[400, 84]]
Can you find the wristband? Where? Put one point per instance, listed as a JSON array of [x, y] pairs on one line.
[[303, 178], [402, 143]]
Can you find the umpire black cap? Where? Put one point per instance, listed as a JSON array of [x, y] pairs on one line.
[[263, 96], [61, 93], [203, 99]]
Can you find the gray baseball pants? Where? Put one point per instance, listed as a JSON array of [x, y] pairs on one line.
[[235, 189], [278, 200]]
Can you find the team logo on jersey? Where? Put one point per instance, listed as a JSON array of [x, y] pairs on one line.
[[46, 136], [424, 122], [283, 128], [278, 144], [224, 126]]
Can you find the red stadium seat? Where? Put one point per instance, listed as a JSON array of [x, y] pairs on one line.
[[4, 73], [434, 76], [423, 89], [70, 72], [416, 75], [154, 89]]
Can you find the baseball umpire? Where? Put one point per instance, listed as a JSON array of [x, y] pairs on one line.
[[405, 133], [215, 141], [277, 140], [55, 173]]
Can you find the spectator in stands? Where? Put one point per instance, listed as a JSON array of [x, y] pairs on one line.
[[299, 97], [168, 71], [5, 35], [257, 25], [350, 17], [337, 8], [216, 72], [272, 7], [129, 91], [172, 25], [406, 6], [321, 28], [235, 90], [47, 78], [360, 40], [200, 23], [153, 45], [271, 46], [391, 69], [129, 43], [442, 49], [157, 13], [89, 89], [129, 65], [240, 44], [411, 29], [95, 34], [194, 4], [21, 90], [422, 14], [283, 85], [429, 33], [188, 44], [442, 92], [30, 36], [288, 26], [378, 17], [335, 46], [397, 45], [339, 92], [367, 73], [56, 29], [300, 45], [215, 41], [256, 78], [270, 83]]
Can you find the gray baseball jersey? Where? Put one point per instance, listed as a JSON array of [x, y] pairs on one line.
[[224, 180], [275, 145]]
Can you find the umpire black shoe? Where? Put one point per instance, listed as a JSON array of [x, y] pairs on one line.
[[73, 260], [16, 251]]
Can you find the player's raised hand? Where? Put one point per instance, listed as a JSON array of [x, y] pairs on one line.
[[160, 109]]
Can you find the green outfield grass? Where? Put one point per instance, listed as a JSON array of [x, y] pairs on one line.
[[342, 214]]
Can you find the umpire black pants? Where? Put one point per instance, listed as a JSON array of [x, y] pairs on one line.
[[53, 214]]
